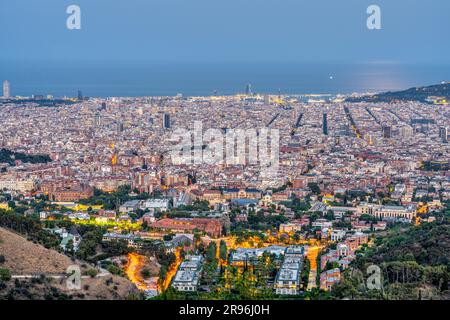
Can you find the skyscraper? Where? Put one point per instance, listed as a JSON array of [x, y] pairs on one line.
[[387, 132], [325, 124], [98, 120], [443, 134], [80, 95], [406, 131], [166, 121], [120, 127], [248, 90], [6, 89]]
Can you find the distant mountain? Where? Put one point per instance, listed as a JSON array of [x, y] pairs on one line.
[[422, 94]]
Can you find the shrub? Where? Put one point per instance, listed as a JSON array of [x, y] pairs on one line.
[[92, 272], [5, 275]]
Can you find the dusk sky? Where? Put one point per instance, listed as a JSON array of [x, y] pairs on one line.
[[151, 47], [225, 31]]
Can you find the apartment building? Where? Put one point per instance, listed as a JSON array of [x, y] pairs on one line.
[[188, 274]]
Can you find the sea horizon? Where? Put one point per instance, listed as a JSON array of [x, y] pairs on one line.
[[112, 79]]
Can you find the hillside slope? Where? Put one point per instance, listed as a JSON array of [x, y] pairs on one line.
[[420, 94], [414, 264], [24, 258]]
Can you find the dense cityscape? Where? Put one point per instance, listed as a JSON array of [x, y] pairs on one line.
[[100, 184]]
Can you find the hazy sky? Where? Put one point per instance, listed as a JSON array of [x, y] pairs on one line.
[[225, 31]]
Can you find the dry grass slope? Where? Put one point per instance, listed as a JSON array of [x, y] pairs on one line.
[[24, 257]]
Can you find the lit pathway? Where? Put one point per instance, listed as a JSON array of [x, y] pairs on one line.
[[311, 255]]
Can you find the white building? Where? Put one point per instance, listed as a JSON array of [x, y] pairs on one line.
[[6, 90], [17, 185], [322, 223], [156, 204], [337, 235], [186, 280], [387, 212], [129, 206], [188, 274], [129, 238], [287, 281]]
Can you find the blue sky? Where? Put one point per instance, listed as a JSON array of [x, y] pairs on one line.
[[154, 31]]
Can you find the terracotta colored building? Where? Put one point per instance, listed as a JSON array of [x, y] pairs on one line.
[[213, 227], [71, 194]]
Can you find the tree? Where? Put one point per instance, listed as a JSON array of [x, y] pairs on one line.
[[211, 252], [167, 237], [314, 188], [70, 248], [329, 215], [209, 273], [30, 227], [223, 250], [146, 273], [113, 269], [116, 247]]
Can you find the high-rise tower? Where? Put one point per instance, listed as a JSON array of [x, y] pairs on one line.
[[248, 89], [443, 134], [387, 132], [6, 89], [166, 121], [325, 124]]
